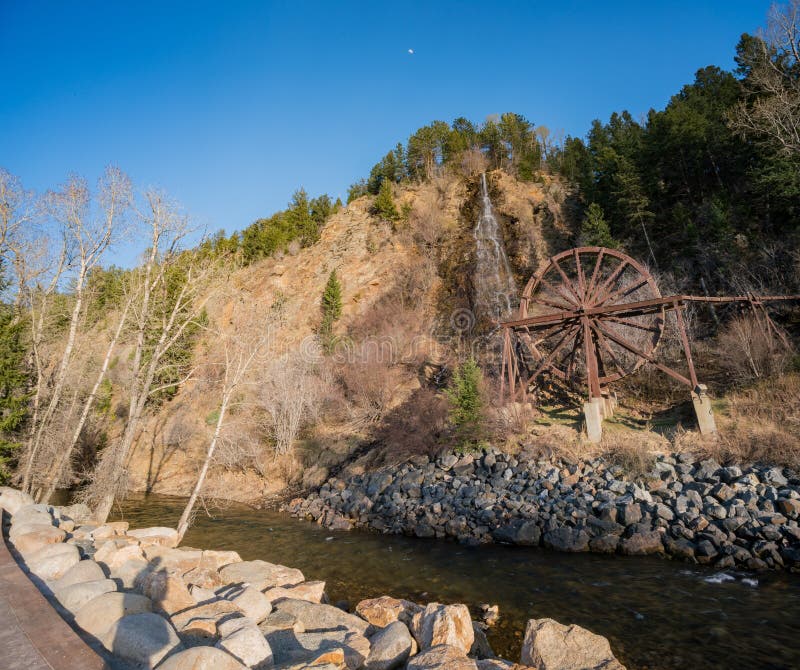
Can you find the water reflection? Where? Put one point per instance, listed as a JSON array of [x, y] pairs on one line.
[[656, 613]]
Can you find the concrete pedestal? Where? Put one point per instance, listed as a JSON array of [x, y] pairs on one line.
[[702, 408], [609, 405], [593, 413]]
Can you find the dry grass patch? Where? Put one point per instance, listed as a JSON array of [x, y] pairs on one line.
[[760, 424]]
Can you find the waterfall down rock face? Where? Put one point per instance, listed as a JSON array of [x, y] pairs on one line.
[[495, 289]]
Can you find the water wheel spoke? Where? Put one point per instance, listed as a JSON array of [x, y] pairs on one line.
[[601, 339], [581, 276], [597, 296], [567, 281], [560, 327], [561, 294], [551, 356], [570, 371], [633, 324], [624, 291], [553, 303], [647, 357], [593, 280]]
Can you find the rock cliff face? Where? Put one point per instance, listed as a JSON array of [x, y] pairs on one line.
[[696, 511], [370, 257]]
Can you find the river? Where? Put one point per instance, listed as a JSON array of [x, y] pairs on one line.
[[656, 613]]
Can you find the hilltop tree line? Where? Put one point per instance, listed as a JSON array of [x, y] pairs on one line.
[[684, 188], [508, 141], [296, 227]]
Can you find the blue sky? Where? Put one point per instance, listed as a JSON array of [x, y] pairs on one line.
[[230, 106]]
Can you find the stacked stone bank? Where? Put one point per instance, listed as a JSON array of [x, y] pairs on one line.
[[154, 605], [691, 509]]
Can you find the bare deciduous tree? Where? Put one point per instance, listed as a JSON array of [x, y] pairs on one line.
[[17, 209], [169, 291], [87, 235], [290, 397], [243, 351], [772, 64]]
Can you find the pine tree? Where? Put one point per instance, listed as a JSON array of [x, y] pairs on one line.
[[384, 203], [594, 228], [13, 380], [331, 308], [466, 403]]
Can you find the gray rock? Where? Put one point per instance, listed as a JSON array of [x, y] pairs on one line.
[[201, 658], [97, 615], [390, 647], [321, 617], [680, 548], [300, 650], [250, 600], [640, 544], [448, 461], [629, 513], [705, 551], [774, 476], [520, 531], [706, 470], [480, 647], [247, 645], [11, 499], [143, 639], [74, 597], [567, 539], [441, 656], [82, 571], [32, 513], [443, 625], [25, 527], [604, 544], [549, 645], [52, 561], [260, 574]]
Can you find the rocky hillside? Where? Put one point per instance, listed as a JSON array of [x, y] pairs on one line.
[[401, 282]]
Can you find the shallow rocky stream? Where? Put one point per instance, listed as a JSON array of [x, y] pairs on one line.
[[657, 613]]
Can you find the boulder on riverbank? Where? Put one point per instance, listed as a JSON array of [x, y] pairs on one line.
[[98, 614], [442, 656], [390, 647], [384, 610], [549, 645], [261, 574], [11, 499], [449, 625], [142, 639]]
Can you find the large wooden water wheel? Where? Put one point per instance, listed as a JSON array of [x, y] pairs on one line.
[[578, 328], [592, 316]]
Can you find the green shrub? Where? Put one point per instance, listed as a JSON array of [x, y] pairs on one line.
[[466, 404]]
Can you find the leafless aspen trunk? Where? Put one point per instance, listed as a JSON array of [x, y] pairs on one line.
[[244, 353], [56, 471], [87, 241]]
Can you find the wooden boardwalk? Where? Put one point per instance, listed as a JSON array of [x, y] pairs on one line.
[[33, 636]]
